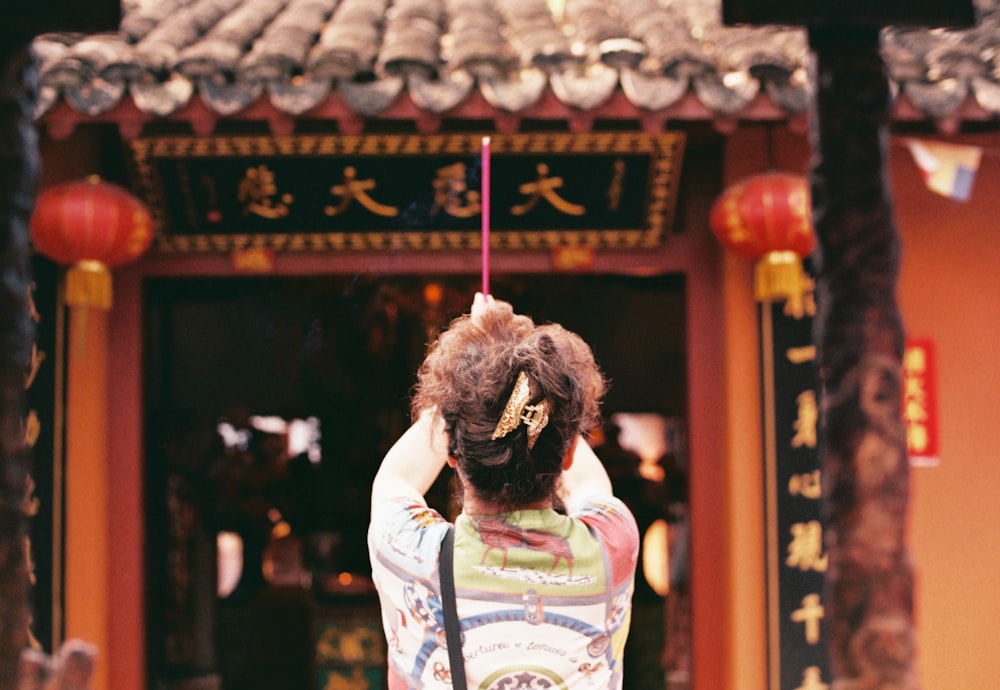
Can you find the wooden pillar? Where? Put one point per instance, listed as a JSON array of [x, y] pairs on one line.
[[87, 484], [18, 176], [125, 657]]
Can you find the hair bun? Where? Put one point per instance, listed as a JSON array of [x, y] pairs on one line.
[[546, 345]]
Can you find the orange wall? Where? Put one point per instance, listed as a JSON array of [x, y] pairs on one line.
[[949, 290]]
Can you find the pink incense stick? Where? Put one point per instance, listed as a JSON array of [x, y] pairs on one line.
[[486, 215]]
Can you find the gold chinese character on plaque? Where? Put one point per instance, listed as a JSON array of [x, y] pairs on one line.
[[354, 189], [807, 485], [257, 191], [811, 613], [805, 423], [452, 194], [802, 302], [800, 355], [812, 679], [805, 551], [37, 357], [617, 186], [544, 187], [32, 428]]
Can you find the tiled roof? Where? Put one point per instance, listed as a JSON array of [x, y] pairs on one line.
[[361, 58]]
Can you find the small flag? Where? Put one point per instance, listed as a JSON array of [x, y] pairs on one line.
[[948, 169]]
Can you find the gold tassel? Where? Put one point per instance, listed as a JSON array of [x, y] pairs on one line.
[[778, 276], [88, 284]]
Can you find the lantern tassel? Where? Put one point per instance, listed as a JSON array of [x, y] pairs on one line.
[[88, 284], [778, 276]]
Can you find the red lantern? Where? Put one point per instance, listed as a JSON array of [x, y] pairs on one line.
[[768, 217], [90, 226]]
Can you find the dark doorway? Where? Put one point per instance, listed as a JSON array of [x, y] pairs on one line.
[[270, 402]]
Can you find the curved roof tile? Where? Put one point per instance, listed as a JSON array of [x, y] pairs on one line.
[[653, 53]]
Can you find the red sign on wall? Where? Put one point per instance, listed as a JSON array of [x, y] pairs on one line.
[[920, 402]]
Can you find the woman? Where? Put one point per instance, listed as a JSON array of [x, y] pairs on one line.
[[544, 554]]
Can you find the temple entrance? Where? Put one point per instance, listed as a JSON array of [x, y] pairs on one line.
[[270, 402]]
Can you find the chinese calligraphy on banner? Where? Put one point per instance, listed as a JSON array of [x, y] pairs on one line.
[[603, 190], [920, 402], [43, 495], [793, 481]]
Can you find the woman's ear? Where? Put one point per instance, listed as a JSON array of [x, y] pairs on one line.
[[568, 458], [451, 462]]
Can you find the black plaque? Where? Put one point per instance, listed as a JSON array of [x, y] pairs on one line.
[[408, 192]]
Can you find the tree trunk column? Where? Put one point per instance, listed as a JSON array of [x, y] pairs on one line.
[[859, 335], [19, 167]]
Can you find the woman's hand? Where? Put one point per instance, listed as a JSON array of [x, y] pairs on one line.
[[583, 475], [480, 305]]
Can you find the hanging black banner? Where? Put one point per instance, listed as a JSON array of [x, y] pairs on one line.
[[43, 436], [795, 550]]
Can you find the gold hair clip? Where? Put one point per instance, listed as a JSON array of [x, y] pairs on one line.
[[535, 417]]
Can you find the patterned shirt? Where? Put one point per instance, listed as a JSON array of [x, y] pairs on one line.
[[544, 599]]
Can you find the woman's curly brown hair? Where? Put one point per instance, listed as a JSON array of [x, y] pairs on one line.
[[467, 379]]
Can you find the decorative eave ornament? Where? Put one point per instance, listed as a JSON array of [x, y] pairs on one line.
[[90, 226]]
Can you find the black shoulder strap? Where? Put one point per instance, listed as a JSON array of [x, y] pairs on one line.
[[453, 634]]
